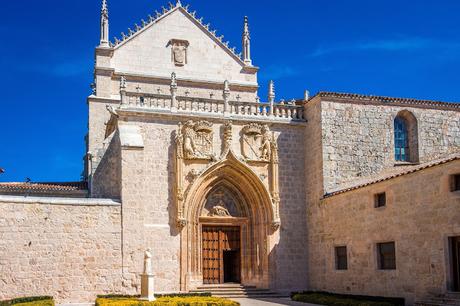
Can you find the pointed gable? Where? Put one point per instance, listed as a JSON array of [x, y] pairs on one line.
[[177, 42]]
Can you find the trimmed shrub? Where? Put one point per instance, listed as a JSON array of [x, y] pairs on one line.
[[121, 296], [333, 299], [30, 301], [167, 301]]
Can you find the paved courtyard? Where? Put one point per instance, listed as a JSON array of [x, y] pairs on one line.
[[270, 302]]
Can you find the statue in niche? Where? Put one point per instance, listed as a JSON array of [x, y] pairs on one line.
[[179, 51], [196, 139], [257, 142]]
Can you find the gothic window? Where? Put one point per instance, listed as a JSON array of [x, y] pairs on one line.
[[401, 141], [405, 137]]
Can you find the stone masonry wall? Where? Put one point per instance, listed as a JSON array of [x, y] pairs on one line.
[[418, 222], [67, 248], [106, 180], [358, 138], [149, 209]]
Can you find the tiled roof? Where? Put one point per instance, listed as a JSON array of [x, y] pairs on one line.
[[43, 187], [388, 175], [388, 100]]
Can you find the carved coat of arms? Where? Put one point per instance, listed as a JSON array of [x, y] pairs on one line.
[[256, 142], [196, 139], [179, 51]]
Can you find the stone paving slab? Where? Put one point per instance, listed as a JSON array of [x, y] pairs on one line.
[[270, 302]]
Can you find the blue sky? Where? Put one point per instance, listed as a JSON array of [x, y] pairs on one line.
[[393, 48]]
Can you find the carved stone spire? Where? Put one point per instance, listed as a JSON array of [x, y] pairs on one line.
[[271, 91], [178, 3], [246, 43], [271, 97], [104, 25]]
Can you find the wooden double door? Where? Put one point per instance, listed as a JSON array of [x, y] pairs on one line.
[[221, 254], [455, 248]]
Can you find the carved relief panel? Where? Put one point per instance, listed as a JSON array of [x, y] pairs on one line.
[[195, 139], [179, 51], [256, 142]]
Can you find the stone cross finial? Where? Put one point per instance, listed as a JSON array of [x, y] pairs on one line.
[[104, 42], [246, 43]]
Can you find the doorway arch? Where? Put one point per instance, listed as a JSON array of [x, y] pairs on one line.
[[253, 212]]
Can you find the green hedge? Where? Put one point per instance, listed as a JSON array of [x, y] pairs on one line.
[[30, 301], [121, 296], [333, 299], [167, 301]]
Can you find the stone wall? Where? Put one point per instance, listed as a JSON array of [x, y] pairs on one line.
[[106, 180], [358, 138], [418, 222], [67, 248], [149, 209]]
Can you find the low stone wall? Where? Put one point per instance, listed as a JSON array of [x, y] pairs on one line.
[[421, 213], [67, 248]]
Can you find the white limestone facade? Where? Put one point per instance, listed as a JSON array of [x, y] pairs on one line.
[[180, 145]]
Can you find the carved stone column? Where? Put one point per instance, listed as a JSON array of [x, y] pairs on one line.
[[274, 183], [181, 222]]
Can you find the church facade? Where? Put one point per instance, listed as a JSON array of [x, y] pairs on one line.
[[337, 192]]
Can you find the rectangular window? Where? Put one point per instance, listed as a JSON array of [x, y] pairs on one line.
[[341, 260], [380, 200], [386, 256], [456, 182]]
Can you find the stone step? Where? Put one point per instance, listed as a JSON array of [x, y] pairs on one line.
[[439, 302], [210, 287], [238, 291], [453, 295], [231, 289]]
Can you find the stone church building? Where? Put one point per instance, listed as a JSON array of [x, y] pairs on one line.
[[338, 192]]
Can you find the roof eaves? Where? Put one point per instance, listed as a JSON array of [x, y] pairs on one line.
[[413, 169], [386, 100]]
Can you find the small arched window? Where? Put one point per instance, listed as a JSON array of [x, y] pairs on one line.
[[406, 137], [401, 140]]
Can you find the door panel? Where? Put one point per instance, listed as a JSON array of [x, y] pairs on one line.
[[455, 247], [216, 241]]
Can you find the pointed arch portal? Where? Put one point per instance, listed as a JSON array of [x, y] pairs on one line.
[[228, 231]]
